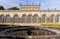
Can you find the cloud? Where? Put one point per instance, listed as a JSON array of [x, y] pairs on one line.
[[51, 4], [9, 3]]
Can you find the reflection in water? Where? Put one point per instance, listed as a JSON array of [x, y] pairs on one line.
[[18, 32]]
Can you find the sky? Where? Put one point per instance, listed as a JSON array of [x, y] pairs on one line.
[[45, 4]]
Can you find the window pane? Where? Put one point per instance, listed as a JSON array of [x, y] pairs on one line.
[[52, 18], [1, 19], [36, 19], [15, 19], [29, 19], [58, 19], [23, 19], [44, 19], [7, 19]]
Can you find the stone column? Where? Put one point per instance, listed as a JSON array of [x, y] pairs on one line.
[[48, 20], [39, 20], [4, 19], [18, 19], [11, 20]]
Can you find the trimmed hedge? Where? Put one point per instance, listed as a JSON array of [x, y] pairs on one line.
[[50, 24], [8, 25]]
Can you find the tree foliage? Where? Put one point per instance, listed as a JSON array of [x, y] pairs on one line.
[[13, 8], [2, 8]]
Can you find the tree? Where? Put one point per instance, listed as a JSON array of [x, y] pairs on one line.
[[13, 8], [2, 8]]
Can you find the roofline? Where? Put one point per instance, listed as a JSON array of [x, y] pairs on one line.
[[29, 10], [50, 10]]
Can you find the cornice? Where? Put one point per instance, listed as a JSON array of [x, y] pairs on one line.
[[50, 10], [18, 10], [29, 10]]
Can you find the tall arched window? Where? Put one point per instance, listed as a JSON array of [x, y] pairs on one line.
[[52, 18], [44, 18], [35, 19], [29, 18], [58, 19], [7, 19], [1, 18], [24, 18], [15, 19]]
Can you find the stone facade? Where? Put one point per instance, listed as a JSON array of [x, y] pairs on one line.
[[29, 15]]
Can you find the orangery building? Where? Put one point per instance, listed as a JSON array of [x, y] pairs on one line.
[[29, 14]]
